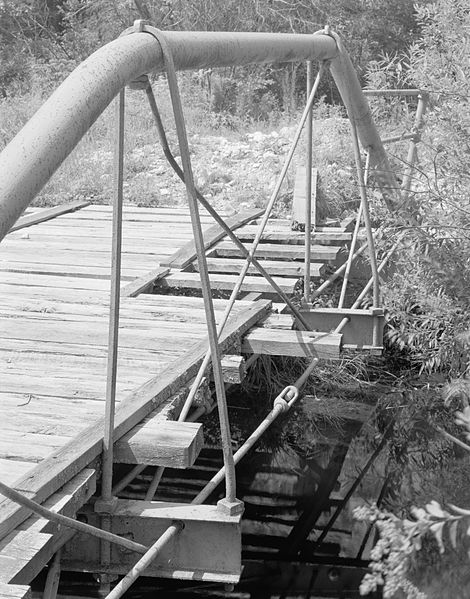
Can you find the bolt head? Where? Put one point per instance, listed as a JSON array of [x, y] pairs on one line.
[[231, 508]]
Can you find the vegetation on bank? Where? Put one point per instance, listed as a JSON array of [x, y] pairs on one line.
[[240, 122]]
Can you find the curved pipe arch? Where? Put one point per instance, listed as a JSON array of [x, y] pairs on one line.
[[31, 158]]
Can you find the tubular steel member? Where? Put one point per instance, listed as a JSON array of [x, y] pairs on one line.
[[369, 232], [354, 239], [105, 505], [30, 159], [411, 157], [230, 503], [219, 220], [395, 138], [40, 510], [308, 188], [369, 284], [139, 568], [359, 113], [107, 476], [282, 404], [256, 240], [388, 93]]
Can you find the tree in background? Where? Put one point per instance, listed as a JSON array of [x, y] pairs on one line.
[[62, 29], [429, 307]]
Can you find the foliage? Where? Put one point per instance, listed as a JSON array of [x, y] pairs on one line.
[[73, 29], [401, 538], [424, 318], [427, 294]]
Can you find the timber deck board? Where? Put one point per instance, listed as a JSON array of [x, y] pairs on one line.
[[54, 310], [224, 282], [279, 251]]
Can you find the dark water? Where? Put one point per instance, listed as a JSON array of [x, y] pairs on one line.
[[276, 490]]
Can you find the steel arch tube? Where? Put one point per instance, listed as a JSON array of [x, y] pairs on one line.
[[31, 158]]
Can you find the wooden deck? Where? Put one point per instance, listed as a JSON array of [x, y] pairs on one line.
[[54, 308]]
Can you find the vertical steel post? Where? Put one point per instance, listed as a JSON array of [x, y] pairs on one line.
[[411, 157], [353, 240], [113, 337], [369, 234], [308, 189], [230, 503], [257, 239]]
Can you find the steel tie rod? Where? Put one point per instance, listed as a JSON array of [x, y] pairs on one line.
[[220, 221], [214, 349], [249, 258], [257, 239]]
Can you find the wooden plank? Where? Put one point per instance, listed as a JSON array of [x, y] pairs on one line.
[[138, 217], [99, 247], [173, 209], [20, 554], [278, 321], [48, 294], [55, 471], [47, 214], [251, 297], [299, 199], [275, 268], [15, 591], [75, 240], [223, 282], [12, 470], [10, 253], [170, 444], [98, 303], [25, 552], [188, 253], [277, 342], [233, 368], [279, 251], [161, 338], [180, 312], [140, 236], [32, 280], [54, 350], [294, 237], [67, 501], [144, 283], [87, 272], [28, 447]]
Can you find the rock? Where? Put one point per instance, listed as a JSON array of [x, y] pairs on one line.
[[257, 136]]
